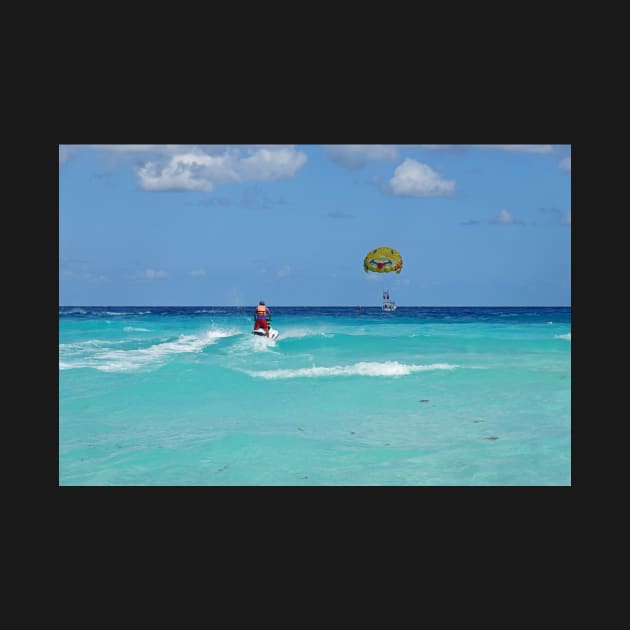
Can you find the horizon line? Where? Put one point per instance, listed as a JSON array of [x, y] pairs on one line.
[[314, 305]]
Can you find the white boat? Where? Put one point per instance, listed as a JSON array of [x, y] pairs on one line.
[[388, 304]]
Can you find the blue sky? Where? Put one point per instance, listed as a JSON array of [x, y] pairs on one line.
[[476, 225]]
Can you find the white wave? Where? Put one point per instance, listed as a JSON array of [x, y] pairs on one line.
[[297, 333], [117, 313], [366, 368], [249, 343], [262, 343], [88, 343], [132, 328], [567, 336], [109, 360]]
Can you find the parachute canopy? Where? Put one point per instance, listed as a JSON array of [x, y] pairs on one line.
[[383, 260]]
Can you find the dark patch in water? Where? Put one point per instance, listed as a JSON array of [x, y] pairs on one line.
[[492, 437], [300, 429], [424, 400], [475, 421], [223, 468], [352, 433]]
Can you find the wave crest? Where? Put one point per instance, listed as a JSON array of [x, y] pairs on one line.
[[364, 368], [109, 360]]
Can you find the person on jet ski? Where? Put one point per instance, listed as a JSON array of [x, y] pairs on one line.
[[262, 317]]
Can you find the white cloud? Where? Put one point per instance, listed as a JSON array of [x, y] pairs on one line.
[[565, 164], [357, 155], [504, 217], [200, 171], [526, 148], [140, 148], [65, 152], [449, 148], [79, 270], [150, 274], [198, 273], [414, 179], [283, 272], [170, 149]]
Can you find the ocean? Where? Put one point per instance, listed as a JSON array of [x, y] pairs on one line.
[[346, 396]]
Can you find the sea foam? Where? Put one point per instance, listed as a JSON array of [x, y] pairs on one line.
[[364, 368], [108, 360]]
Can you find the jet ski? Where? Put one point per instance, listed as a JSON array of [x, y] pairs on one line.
[[260, 332]]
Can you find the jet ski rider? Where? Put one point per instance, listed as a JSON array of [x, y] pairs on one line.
[[262, 317]]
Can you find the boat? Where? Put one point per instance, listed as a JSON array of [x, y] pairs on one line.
[[388, 304]]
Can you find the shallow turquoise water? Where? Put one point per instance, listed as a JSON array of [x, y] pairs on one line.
[[187, 396]]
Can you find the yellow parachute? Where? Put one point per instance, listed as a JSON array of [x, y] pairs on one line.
[[383, 260]]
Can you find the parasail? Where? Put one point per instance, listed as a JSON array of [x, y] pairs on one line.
[[383, 260]]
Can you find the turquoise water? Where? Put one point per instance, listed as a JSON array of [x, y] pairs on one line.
[[421, 396]]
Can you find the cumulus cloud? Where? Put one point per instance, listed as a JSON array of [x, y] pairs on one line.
[[151, 274], [198, 170], [357, 155], [414, 179], [565, 164], [504, 217]]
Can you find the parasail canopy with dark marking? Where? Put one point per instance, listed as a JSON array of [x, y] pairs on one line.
[[383, 260]]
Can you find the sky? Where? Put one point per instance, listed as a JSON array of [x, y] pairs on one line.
[[229, 225]]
